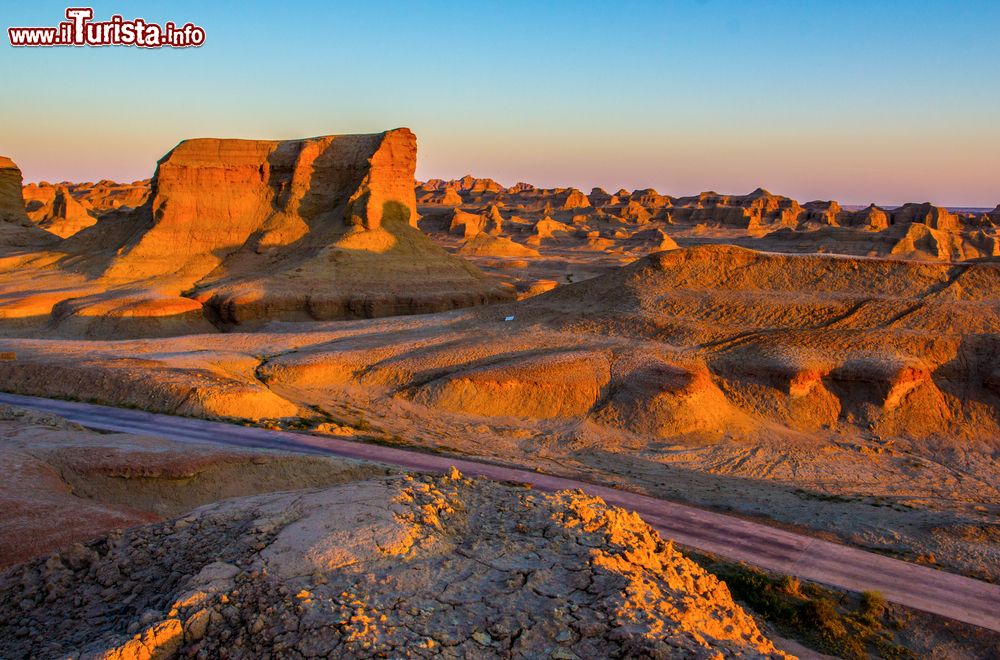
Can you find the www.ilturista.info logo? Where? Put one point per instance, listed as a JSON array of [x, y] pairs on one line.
[[80, 30]]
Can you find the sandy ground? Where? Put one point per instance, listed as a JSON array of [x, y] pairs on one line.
[[64, 484]]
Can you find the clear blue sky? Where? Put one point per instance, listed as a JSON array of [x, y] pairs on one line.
[[858, 101]]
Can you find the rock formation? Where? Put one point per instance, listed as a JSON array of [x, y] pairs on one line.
[[614, 229], [244, 231], [16, 230], [450, 198], [210, 198], [574, 199], [380, 568], [55, 209], [927, 214], [486, 245]]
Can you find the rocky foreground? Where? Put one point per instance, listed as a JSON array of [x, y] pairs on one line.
[[397, 566]]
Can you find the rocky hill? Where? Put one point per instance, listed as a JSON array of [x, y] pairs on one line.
[[379, 568]]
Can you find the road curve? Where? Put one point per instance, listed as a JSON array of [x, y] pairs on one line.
[[946, 594]]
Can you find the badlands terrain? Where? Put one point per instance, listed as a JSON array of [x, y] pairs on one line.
[[355, 562], [830, 370]]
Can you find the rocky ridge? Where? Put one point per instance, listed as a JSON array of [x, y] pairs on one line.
[[428, 566], [578, 236]]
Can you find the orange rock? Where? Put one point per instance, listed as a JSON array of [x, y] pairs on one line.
[[15, 227], [211, 197]]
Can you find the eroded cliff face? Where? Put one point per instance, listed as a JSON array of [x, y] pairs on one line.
[[242, 231], [16, 230], [212, 197]]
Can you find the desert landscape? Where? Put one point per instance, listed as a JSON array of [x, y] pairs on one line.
[[562, 330], [824, 370]]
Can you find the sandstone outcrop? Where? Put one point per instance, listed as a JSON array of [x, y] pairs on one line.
[[574, 199], [485, 245], [543, 386], [56, 210], [380, 568], [211, 198], [16, 230], [927, 214], [450, 197], [599, 197], [650, 199], [98, 198], [242, 232]]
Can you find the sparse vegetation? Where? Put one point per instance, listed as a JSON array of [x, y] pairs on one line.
[[830, 621], [845, 499]]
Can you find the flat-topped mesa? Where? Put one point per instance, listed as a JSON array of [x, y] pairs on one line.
[[16, 229], [211, 197]]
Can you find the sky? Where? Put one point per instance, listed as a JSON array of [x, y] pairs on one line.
[[885, 102]]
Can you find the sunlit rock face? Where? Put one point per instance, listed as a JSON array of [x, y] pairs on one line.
[[378, 568], [235, 232], [16, 230], [212, 197]]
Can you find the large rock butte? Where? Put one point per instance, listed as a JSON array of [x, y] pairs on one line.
[[238, 231], [211, 197]]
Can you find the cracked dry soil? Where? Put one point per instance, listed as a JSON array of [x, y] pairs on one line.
[[390, 567]]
